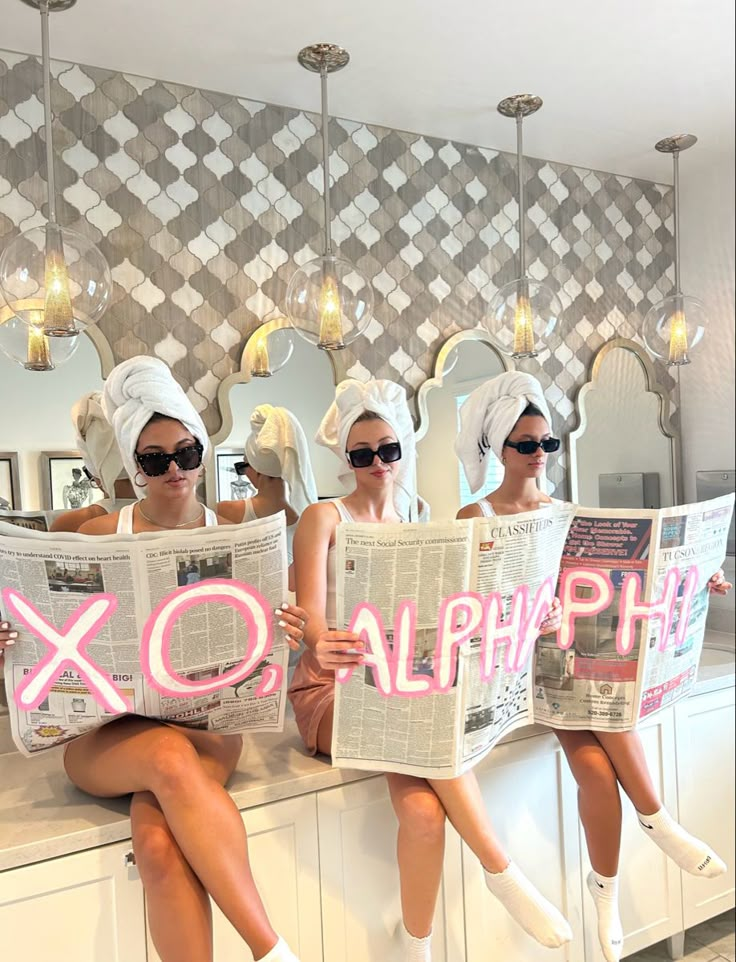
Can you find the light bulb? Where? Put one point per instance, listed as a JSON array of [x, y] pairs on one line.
[[260, 365], [330, 316], [678, 353], [39, 354], [58, 316], [523, 327]]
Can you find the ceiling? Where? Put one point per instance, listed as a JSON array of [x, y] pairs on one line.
[[615, 76]]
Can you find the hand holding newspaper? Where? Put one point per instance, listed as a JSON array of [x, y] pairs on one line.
[[450, 613], [178, 627]]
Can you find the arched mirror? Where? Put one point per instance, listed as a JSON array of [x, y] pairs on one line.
[[305, 385], [464, 361], [40, 428], [624, 452]]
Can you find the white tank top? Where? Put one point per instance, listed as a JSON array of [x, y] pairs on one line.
[[109, 505], [331, 596], [249, 514], [486, 508], [125, 519]]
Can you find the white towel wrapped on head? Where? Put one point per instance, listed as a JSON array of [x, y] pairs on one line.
[[488, 417], [96, 441], [135, 391], [277, 447], [388, 401]]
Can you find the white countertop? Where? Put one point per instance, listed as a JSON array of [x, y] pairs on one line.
[[43, 816]]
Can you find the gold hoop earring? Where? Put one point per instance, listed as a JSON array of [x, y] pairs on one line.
[[137, 483]]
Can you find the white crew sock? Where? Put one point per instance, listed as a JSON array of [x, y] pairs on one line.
[[280, 953], [610, 931], [528, 907], [413, 949], [685, 850]]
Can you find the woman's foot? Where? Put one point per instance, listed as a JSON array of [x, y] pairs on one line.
[[413, 949], [690, 853], [610, 931], [538, 917], [280, 953]]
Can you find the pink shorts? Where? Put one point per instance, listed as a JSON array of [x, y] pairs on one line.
[[311, 693]]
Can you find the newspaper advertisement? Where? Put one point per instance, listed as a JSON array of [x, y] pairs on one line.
[[442, 689], [172, 626], [33, 520], [450, 615]]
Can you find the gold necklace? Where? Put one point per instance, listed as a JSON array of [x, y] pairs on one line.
[[169, 527]]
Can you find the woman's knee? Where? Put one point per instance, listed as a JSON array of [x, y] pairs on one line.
[[596, 776], [422, 815], [173, 762], [157, 855]]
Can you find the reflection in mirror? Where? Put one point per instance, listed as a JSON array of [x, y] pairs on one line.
[[43, 401], [305, 386], [465, 361], [624, 452]]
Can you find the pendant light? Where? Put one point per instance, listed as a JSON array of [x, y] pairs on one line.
[[524, 312], [51, 276], [28, 346], [328, 301], [269, 348], [674, 326]]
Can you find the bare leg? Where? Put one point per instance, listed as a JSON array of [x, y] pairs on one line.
[[627, 757], [178, 907], [138, 755], [463, 802], [179, 910], [420, 844], [599, 801]]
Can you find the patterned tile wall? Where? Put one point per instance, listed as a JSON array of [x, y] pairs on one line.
[[204, 202]]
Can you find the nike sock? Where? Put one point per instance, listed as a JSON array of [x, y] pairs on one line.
[[538, 917], [610, 931], [690, 853], [414, 949], [280, 953]]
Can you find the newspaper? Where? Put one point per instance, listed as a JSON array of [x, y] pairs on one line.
[[592, 685], [33, 520], [65, 578], [439, 733], [576, 679]]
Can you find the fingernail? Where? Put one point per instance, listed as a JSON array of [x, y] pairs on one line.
[[4, 625], [285, 605], [282, 624], [13, 634], [278, 612], [9, 643]]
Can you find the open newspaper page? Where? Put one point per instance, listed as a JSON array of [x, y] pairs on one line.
[[591, 685], [689, 535], [56, 575], [33, 520], [386, 565], [522, 549]]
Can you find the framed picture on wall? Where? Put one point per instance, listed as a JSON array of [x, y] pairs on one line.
[[64, 484], [9, 482], [232, 484]]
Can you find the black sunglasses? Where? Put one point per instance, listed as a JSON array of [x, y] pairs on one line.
[[155, 463], [548, 445], [363, 457]]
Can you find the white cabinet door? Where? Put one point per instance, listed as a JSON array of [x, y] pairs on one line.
[[284, 855], [531, 797], [705, 779], [360, 880], [86, 907], [651, 898]]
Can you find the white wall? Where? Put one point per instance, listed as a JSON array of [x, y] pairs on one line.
[[35, 411]]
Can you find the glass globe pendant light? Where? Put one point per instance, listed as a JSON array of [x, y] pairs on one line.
[[269, 348], [52, 276], [28, 346], [674, 326], [328, 301], [523, 313]]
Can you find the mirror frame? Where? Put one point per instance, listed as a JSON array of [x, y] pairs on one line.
[[652, 386], [437, 378], [243, 376]]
